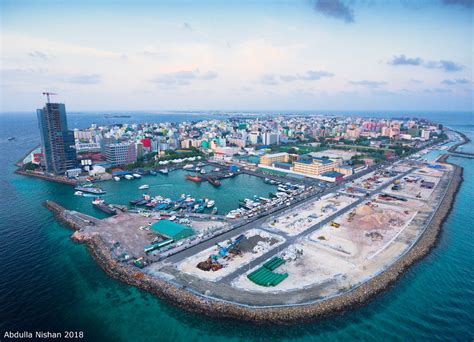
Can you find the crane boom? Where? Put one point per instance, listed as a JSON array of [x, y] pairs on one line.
[[47, 93]]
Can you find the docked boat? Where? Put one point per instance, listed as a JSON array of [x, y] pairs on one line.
[[90, 189], [217, 169], [78, 193], [214, 181], [117, 179], [136, 175], [129, 177], [196, 178], [143, 187], [203, 171], [99, 203], [188, 166], [164, 171], [210, 203]]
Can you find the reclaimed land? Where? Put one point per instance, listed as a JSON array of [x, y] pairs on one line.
[[279, 315]]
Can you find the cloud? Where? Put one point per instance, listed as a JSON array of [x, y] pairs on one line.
[[368, 84], [314, 75], [187, 27], [464, 3], [437, 91], [269, 79], [416, 81], [403, 60], [448, 66], [183, 77], [309, 75], [84, 79], [38, 54], [336, 9], [455, 81]]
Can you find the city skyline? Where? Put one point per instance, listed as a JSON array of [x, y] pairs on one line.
[[302, 55]]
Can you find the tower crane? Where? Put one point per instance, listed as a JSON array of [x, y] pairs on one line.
[[47, 93]]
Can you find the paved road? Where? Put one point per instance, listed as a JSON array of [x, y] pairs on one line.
[[292, 239]]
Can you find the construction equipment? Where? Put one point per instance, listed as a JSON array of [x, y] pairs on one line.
[[47, 93], [335, 224], [351, 216]]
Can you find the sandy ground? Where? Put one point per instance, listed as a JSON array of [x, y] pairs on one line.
[[189, 265], [303, 217], [314, 266], [200, 226], [371, 180], [414, 189]]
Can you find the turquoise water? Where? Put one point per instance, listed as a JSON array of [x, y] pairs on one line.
[[50, 283]]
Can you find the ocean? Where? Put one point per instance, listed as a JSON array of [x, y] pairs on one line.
[[49, 283]]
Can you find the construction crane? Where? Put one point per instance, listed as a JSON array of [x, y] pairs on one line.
[[48, 94]]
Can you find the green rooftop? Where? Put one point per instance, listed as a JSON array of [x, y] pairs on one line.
[[172, 230]]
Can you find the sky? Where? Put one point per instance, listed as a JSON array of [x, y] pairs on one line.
[[238, 55]]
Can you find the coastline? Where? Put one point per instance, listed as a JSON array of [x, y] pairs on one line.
[[184, 299]]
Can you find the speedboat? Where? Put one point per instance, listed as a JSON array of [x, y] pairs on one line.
[[144, 186], [129, 177], [188, 166], [136, 175], [210, 204], [78, 193], [116, 178]]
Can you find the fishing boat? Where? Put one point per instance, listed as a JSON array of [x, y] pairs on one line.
[[136, 175], [90, 189], [99, 203], [129, 177], [196, 178], [11, 138], [163, 171], [143, 187], [214, 181], [117, 179], [210, 203]]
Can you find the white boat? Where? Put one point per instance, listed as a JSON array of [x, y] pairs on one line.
[[129, 177], [217, 169], [116, 178], [78, 193], [144, 186], [203, 171], [136, 175], [210, 204], [188, 166], [163, 171]]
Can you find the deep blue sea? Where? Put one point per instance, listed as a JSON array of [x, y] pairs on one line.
[[49, 283]]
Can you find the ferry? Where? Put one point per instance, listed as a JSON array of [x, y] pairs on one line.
[[136, 175], [117, 179], [187, 166], [129, 177], [90, 189], [143, 187]]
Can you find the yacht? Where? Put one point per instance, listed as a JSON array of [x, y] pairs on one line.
[[144, 186], [117, 179]]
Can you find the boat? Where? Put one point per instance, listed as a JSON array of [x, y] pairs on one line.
[[129, 177], [90, 189], [196, 178], [188, 166], [203, 171], [99, 203], [164, 171], [214, 211], [117, 179], [217, 169], [136, 175], [201, 164], [11, 138], [200, 209], [210, 204], [214, 181], [153, 172], [143, 187], [78, 193]]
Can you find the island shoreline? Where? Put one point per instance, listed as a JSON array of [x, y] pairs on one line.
[[182, 298]]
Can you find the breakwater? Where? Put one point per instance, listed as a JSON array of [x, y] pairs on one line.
[[465, 140], [181, 297], [56, 179]]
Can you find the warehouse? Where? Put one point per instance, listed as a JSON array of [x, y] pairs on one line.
[[172, 230]]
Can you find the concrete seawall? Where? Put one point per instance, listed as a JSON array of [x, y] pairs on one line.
[[279, 315]]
